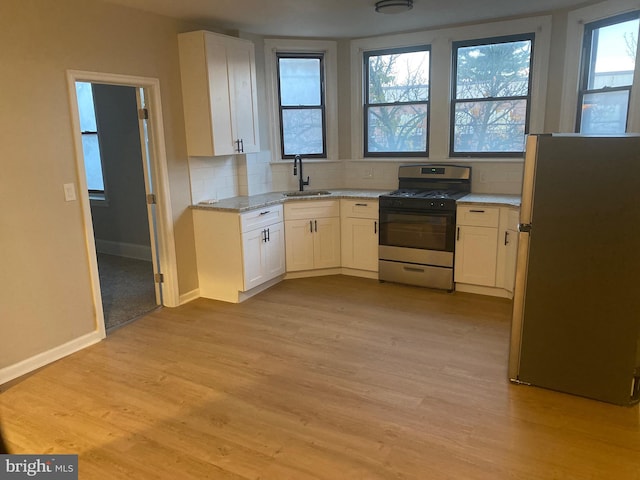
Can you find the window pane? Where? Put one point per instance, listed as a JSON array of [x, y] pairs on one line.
[[604, 112], [496, 70], [299, 81], [399, 77], [491, 126], [397, 128], [85, 107], [613, 55], [92, 165], [302, 131]]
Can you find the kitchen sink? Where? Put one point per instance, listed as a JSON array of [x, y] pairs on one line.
[[306, 193]]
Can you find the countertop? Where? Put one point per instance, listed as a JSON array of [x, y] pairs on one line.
[[244, 203], [497, 199]]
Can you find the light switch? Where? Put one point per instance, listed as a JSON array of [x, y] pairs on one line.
[[69, 192]]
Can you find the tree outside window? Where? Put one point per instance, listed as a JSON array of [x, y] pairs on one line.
[[396, 110], [491, 96], [607, 74]]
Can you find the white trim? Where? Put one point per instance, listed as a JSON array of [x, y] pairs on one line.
[[123, 249], [30, 364], [482, 290], [575, 32], [189, 296], [271, 47], [166, 239], [441, 70]]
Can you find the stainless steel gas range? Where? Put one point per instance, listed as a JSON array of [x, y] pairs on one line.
[[418, 225]]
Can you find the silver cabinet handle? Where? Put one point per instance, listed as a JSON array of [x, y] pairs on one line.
[[362, 204], [265, 212], [413, 269], [476, 211], [311, 226]]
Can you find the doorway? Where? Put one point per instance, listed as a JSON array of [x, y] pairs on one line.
[[128, 234], [115, 170]]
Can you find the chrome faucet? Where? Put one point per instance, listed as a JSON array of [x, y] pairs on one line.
[[298, 159]]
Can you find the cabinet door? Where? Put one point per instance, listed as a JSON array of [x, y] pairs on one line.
[[476, 255], [274, 247], [242, 87], [511, 246], [219, 92], [507, 248], [360, 243], [326, 244], [299, 244], [254, 258]]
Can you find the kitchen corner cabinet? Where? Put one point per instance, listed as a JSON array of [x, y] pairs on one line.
[[486, 247], [238, 253], [219, 94], [359, 227], [312, 234]]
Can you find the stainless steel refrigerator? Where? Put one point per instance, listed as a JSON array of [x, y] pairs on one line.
[[576, 310]]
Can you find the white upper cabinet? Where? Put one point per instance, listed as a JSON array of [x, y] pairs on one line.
[[219, 94]]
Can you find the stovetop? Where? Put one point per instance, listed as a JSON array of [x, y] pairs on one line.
[[427, 194], [429, 187]]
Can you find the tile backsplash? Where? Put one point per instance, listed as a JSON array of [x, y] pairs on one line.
[[215, 178]]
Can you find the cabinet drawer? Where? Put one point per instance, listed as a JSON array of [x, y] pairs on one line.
[[359, 208], [311, 209], [478, 216], [261, 217]]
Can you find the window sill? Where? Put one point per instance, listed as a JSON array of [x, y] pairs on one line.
[[97, 200]]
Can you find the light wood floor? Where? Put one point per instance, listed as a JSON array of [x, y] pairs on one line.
[[327, 378]]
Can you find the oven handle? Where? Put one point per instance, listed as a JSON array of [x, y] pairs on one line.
[[418, 213]]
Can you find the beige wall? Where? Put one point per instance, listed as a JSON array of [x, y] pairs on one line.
[[45, 292]]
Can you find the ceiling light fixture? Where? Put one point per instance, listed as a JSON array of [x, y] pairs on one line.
[[394, 6]]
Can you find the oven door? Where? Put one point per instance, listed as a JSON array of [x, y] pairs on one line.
[[419, 229]]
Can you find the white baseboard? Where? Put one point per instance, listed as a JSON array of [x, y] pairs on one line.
[[40, 360], [189, 296], [480, 290], [122, 249]]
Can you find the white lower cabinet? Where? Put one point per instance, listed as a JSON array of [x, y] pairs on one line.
[[237, 253], [486, 244], [312, 235], [507, 249], [359, 227], [263, 252], [476, 255]]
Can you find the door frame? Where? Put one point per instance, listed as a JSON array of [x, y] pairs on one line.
[[159, 178]]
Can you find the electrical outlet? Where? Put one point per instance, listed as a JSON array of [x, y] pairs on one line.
[[69, 192], [368, 173]]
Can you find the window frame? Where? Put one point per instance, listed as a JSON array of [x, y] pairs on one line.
[[587, 66], [272, 46], [366, 104], [322, 107], [518, 37]]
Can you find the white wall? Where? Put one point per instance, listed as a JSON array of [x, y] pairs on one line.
[[46, 299]]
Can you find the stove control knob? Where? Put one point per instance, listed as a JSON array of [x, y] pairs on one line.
[[432, 204], [442, 204]]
